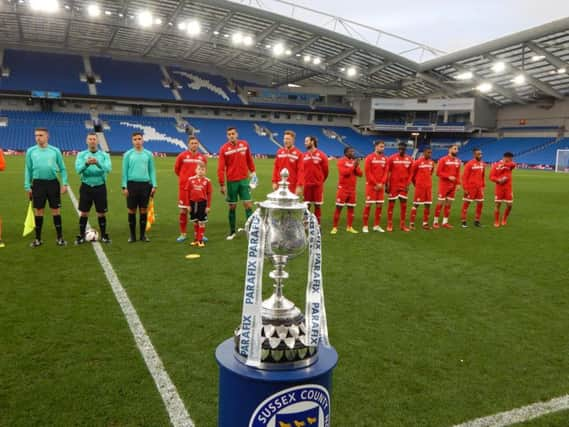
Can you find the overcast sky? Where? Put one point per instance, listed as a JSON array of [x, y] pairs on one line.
[[446, 24]]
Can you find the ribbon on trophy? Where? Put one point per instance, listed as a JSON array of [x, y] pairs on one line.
[[251, 319], [316, 323]]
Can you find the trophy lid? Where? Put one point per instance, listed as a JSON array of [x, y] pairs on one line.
[[282, 197]]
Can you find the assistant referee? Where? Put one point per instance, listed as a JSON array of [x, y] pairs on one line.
[[43, 163], [138, 184], [93, 166]]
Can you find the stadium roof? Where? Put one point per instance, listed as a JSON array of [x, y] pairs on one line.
[[519, 68]]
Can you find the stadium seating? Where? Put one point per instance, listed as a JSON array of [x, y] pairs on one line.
[[160, 133], [67, 130], [203, 87], [43, 71], [545, 156], [494, 148], [129, 79]]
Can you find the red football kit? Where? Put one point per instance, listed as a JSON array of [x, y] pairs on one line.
[[447, 167], [398, 175], [199, 189], [375, 165], [315, 173], [290, 159], [473, 181], [237, 159], [422, 178], [348, 171], [185, 167], [501, 174]]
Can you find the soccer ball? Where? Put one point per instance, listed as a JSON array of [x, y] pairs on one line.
[[92, 235]]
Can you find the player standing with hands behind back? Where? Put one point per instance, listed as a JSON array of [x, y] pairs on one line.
[[501, 174], [348, 171], [43, 162], [93, 165], [448, 171], [138, 184]]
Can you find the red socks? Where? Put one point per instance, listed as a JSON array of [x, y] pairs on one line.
[[426, 213], [318, 212], [413, 215], [183, 222], [497, 215], [337, 213], [507, 213], [479, 206], [403, 213], [438, 210], [200, 232], [350, 216], [447, 211], [465, 206], [377, 218], [367, 210], [390, 208]]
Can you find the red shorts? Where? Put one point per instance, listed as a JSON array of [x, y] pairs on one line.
[[345, 198], [423, 195], [314, 194], [473, 194], [504, 194], [447, 191], [373, 195], [183, 199], [397, 193]]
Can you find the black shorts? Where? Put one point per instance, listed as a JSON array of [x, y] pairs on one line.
[[46, 190], [89, 195], [197, 211], [138, 194]]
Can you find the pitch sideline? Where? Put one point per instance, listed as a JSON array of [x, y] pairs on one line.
[[177, 411]]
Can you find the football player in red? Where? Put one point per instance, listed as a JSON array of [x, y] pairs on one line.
[[315, 174], [473, 184], [289, 157], [236, 164], [448, 171], [397, 179], [199, 192], [185, 167], [348, 171], [375, 165], [501, 174], [422, 179]]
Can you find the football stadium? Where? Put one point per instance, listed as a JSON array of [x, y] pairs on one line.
[[161, 161]]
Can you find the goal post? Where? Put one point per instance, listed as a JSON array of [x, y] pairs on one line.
[[562, 160]]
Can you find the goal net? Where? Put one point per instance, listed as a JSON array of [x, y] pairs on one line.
[[562, 161]]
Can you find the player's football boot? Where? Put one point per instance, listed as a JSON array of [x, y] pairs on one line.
[[404, 228], [334, 230], [132, 239], [205, 239], [378, 229], [35, 243], [144, 239], [436, 225], [464, 224], [411, 226], [201, 244], [477, 224], [195, 243], [105, 239], [352, 230], [504, 223], [365, 229], [426, 226], [61, 242], [497, 224], [448, 226], [389, 227], [181, 238], [230, 236], [79, 240], [2, 244]]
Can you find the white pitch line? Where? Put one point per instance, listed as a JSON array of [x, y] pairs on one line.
[[520, 415], [179, 416]]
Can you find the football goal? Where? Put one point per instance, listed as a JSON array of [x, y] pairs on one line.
[[562, 160]]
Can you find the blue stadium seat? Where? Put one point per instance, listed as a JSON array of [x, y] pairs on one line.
[[203, 87]]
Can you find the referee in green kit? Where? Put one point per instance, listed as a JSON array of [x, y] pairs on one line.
[[43, 163], [138, 184]]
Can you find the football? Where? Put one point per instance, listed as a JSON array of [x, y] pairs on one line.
[[92, 235]]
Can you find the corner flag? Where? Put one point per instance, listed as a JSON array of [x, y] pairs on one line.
[[30, 222], [151, 217]]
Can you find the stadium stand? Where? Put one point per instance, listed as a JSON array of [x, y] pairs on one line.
[[544, 155], [494, 148], [129, 79], [67, 130], [203, 88], [62, 74]]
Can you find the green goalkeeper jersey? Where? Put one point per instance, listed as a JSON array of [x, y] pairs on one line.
[[43, 163]]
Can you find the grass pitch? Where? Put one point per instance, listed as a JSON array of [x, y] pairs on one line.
[[433, 328]]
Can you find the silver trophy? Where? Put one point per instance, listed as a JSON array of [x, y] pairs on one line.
[[279, 231]]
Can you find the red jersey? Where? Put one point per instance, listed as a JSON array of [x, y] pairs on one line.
[[473, 174], [235, 161], [2, 161], [398, 171], [449, 166], [501, 170], [348, 170], [422, 172], [186, 164], [290, 159], [315, 167], [375, 165], [199, 189]]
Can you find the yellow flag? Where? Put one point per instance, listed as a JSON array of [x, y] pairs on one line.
[[151, 217], [30, 222]]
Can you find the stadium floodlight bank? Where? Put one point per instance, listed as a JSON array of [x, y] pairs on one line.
[[562, 160]]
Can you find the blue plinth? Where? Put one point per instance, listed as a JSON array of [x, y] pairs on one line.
[[250, 397]]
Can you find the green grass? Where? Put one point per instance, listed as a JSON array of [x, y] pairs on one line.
[[432, 328]]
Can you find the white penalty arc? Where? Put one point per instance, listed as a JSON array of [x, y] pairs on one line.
[[179, 416], [520, 415]]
